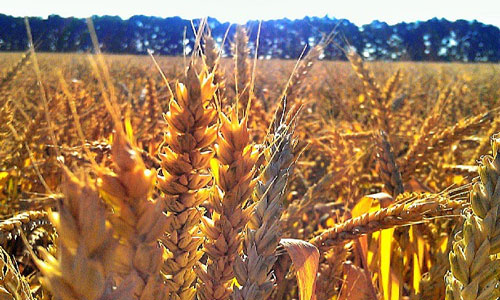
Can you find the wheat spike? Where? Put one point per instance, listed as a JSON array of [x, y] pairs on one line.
[[442, 140], [432, 286], [14, 71], [390, 86], [474, 274], [254, 269], [432, 142], [184, 163], [297, 81], [484, 145], [151, 105], [373, 91], [138, 221], [330, 271], [404, 213], [85, 251], [212, 61], [388, 169], [24, 222], [242, 67], [233, 172]]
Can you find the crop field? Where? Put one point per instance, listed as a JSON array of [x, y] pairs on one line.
[[201, 177]]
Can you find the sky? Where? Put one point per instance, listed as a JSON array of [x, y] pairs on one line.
[[239, 11]]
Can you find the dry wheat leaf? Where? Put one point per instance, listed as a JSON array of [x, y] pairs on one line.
[[386, 243], [371, 203], [357, 284], [305, 258]]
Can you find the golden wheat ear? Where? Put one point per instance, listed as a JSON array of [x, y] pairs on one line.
[[241, 54], [138, 220], [184, 177], [410, 208], [233, 170], [474, 269], [81, 268], [212, 58], [388, 168]]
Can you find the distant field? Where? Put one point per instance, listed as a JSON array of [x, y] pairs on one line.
[[272, 75]]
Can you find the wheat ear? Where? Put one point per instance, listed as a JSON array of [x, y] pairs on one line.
[[474, 273], [390, 86], [184, 177], [254, 269], [388, 168], [24, 222], [85, 245], [14, 71], [372, 89], [330, 271], [241, 54], [212, 61], [138, 221], [233, 171], [406, 212], [296, 83]]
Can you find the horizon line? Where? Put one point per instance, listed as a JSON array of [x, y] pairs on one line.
[[222, 21]]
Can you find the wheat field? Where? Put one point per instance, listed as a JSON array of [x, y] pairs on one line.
[[209, 177]]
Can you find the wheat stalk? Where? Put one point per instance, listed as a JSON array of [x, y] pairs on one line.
[[12, 284]]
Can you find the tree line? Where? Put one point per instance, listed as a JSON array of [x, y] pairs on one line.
[[432, 40]]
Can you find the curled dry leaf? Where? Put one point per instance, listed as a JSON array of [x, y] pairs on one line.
[[357, 284], [305, 258]]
